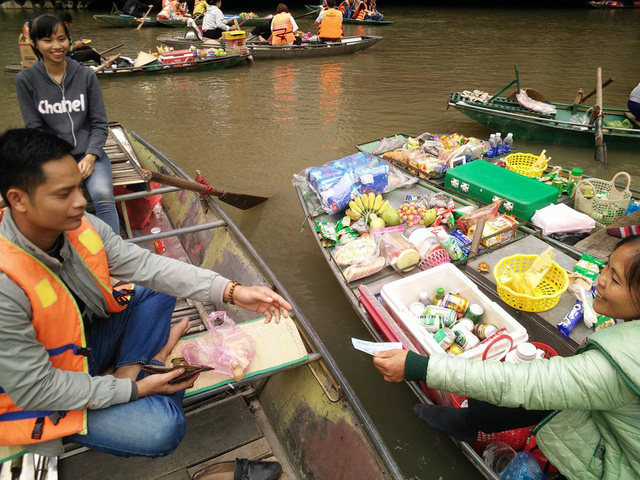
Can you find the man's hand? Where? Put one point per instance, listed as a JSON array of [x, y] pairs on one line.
[[391, 364], [158, 384], [262, 300], [86, 165]]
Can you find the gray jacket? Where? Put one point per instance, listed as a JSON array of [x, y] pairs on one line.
[[73, 110], [26, 374]]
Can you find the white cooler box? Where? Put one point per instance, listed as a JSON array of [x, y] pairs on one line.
[[398, 295]]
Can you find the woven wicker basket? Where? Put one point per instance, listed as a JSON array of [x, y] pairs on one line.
[[606, 203]]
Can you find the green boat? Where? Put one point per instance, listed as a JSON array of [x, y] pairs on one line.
[[609, 6], [215, 63], [126, 21], [571, 124], [351, 21]]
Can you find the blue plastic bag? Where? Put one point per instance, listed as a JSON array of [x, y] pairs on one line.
[[523, 467]]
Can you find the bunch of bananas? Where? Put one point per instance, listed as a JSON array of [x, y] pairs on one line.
[[365, 205]]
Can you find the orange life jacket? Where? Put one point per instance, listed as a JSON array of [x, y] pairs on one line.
[[361, 11], [282, 29], [166, 3], [58, 324], [331, 25]]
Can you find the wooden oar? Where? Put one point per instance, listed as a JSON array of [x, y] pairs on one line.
[[601, 148], [110, 49], [107, 63], [593, 92], [144, 17], [242, 201]]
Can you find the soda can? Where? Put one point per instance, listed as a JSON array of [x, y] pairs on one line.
[[485, 330], [431, 323], [455, 302], [466, 323], [454, 350], [444, 337], [475, 312], [447, 316], [464, 338], [158, 244]]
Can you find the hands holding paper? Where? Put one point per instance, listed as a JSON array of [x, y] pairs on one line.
[[390, 364]]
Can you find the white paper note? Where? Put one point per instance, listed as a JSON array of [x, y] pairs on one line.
[[374, 347]]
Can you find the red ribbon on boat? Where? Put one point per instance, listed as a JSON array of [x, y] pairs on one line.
[[200, 179]]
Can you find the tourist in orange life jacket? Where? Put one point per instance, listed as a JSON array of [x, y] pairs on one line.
[[73, 346], [348, 8], [330, 23], [283, 26], [361, 11], [372, 11]]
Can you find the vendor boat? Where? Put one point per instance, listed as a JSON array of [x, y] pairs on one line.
[[615, 5], [295, 405], [212, 63], [566, 124], [351, 21], [382, 321], [122, 20]]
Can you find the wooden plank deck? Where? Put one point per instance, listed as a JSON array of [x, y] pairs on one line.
[[600, 244]]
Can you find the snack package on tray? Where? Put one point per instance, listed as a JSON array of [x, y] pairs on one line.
[[398, 252], [226, 347]]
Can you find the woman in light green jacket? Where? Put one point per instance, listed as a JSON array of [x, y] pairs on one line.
[[587, 406]]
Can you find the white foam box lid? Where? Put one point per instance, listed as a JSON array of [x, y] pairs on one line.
[[400, 294]]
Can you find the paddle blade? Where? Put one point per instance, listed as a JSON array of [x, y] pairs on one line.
[[241, 200]]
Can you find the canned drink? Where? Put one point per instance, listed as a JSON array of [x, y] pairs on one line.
[[485, 330], [464, 338], [558, 183], [158, 244], [455, 302], [417, 308], [431, 323], [475, 312], [447, 316], [454, 350], [444, 337], [466, 323]]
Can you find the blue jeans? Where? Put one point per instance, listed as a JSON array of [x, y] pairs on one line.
[[634, 108], [100, 187], [151, 426], [347, 13], [373, 16]]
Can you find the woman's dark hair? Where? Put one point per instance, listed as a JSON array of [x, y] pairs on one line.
[[44, 25], [282, 8], [632, 269], [23, 151]]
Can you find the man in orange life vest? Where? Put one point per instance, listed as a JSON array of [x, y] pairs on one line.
[[65, 328], [330, 23], [283, 26]]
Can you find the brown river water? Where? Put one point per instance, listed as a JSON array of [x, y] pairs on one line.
[[251, 127]]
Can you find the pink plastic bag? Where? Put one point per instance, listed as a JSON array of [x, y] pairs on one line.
[[227, 348]]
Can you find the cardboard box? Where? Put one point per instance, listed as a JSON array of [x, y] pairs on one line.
[[27, 55]]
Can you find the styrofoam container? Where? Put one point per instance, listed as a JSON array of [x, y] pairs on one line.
[[398, 295]]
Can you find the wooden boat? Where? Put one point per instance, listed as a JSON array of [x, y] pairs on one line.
[[608, 6], [504, 115], [364, 295], [266, 51], [302, 411], [126, 21], [352, 21], [213, 63]]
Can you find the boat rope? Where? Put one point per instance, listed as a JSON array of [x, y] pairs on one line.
[[200, 179]]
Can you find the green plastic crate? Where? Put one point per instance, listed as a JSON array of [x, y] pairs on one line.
[[488, 183]]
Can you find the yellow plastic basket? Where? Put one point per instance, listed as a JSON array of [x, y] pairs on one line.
[[550, 288], [521, 163]]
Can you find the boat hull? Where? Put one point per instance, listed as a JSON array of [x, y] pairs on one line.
[[309, 50], [545, 130], [125, 22]]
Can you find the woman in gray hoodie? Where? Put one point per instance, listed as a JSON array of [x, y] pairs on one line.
[[59, 95]]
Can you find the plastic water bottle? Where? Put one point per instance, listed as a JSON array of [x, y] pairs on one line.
[[450, 245], [507, 144], [498, 455], [468, 155], [492, 146], [499, 139]]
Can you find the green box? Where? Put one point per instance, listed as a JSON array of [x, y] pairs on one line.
[[488, 183]]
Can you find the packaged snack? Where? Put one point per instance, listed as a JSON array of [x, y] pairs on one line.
[[588, 266], [496, 231], [398, 251], [359, 250], [364, 269], [571, 319]]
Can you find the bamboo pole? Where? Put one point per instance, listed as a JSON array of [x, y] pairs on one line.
[[601, 148]]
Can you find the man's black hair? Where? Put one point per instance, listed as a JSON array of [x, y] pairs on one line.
[[23, 151], [331, 3], [65, 17]]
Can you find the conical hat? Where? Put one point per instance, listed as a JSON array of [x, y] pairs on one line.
[[143, 59]]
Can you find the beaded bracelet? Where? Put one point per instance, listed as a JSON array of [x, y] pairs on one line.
[[233, 287]]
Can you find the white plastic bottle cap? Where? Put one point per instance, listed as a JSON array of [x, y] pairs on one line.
[[526, 351]]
